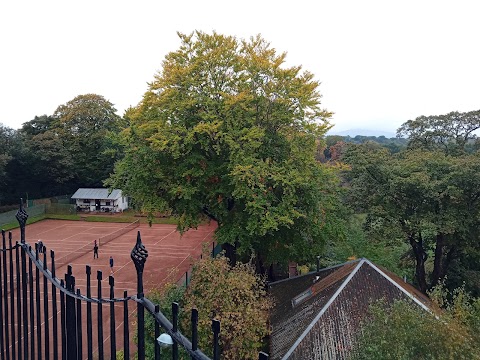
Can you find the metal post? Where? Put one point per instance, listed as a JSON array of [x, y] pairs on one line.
[[45, 308], [126, 331], [54, 309], [194, 320], [175, 329], [63, 321], [12, 298], [88, 271], [139, 256], [19, 301], [157, 334], [100, 316], [71, 316], [5, 296], [22, 217], [79, 327], [31, 301], [2, 345], [216, 332], [113, 340]]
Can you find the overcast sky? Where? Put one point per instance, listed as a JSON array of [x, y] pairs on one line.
[[380, 63]]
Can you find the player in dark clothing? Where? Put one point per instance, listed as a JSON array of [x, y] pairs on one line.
[[95, 250], [40, 246], [111, 265]]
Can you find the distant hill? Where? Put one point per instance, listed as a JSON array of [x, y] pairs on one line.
[[362, 132]]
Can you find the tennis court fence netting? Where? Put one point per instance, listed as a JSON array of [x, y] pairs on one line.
[[103, 240], [33, 211], [38, 210], [60, 209]]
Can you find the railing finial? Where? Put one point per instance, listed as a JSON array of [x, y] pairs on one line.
[[139, 256], [22, 217]]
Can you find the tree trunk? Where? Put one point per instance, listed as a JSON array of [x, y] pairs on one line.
[[438, 266], [230, 253], [259, 267], [451, 254], [420, 257]]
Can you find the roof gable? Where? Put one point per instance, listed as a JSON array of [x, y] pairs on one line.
[[289, 322], [97, 193], [327, 314]]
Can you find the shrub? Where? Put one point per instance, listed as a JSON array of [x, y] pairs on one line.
[[405, 331], [235, 296]]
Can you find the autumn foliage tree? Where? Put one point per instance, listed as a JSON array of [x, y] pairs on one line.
[[228, 131], [234, 295]]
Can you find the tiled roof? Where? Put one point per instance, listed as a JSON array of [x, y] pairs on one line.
[[289, 322], [102, 194], [316, 316]]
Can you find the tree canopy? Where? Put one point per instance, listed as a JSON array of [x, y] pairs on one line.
[[432, 198], [228, 131], [6, 135], [56, 154], [83, 124], [452, 132]]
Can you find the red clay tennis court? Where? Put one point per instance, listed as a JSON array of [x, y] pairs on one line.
[[168, 251], [170, 255]]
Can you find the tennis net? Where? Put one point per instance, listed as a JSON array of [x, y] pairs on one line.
[[107, 238], [74, 255]]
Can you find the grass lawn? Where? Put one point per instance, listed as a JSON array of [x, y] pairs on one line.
[[14, 225]]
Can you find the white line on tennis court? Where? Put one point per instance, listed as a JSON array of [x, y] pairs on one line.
[[170, 233]]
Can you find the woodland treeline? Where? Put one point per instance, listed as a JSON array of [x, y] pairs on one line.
[[226, 131], [58, 153]]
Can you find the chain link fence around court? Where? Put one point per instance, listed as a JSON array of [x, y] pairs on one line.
[[38, 210], [60, 209], [33, 211]]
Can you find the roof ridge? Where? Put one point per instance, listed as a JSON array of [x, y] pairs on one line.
[[322, 311], [324, 283], [315, 272]]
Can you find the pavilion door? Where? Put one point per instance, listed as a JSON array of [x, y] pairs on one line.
[[97, 205]]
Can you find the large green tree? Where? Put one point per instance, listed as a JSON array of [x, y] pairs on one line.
[[84, 124], [6, 145], [227, 130], [56, 154], [37, 126], [452, 133], [41, 165], [431, 198]]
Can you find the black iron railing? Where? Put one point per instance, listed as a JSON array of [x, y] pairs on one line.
[[29, 324]]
